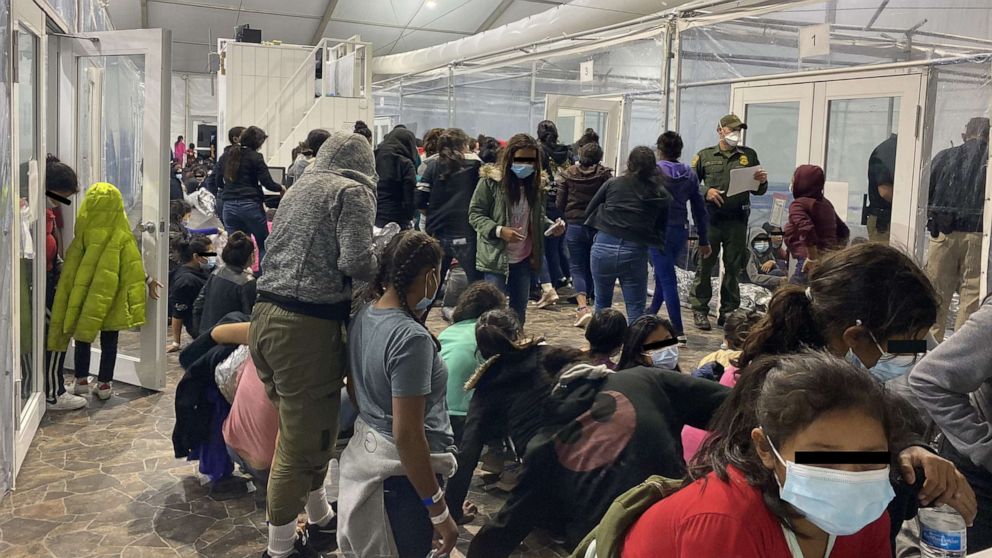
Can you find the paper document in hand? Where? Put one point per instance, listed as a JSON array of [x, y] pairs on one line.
[[742, 180]]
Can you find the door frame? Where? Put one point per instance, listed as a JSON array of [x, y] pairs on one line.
[[910, 84], [27, 416], [614, 109], [155, 45]]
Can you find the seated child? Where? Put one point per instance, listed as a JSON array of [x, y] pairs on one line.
[[605, 334], [814, 227]]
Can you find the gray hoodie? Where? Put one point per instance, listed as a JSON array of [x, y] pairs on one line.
[[945, 380], [322, 234]]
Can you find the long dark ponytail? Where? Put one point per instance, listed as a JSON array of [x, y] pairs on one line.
[[252, 138], [873, 283]]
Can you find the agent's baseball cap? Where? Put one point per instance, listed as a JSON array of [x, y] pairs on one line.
[[733, 122]]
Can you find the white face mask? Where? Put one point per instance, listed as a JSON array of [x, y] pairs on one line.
[[732, 139]]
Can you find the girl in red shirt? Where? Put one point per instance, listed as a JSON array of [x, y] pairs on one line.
[[751, 499]]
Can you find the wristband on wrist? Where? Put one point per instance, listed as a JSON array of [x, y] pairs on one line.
[[431, 500], [441, 517]]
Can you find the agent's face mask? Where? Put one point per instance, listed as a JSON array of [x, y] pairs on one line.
[[733, 138], [522, 170], [761, 247], [839, 502]]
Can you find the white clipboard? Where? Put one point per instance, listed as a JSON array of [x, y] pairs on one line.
[[742, 180]]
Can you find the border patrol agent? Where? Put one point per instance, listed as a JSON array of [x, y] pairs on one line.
[[728, 219]]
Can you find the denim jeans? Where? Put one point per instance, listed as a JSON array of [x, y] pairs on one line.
[[666, 287], [108, 357], [555, 270], [516, 285], [247, 216], [463, 250], [409, 520], [579, 239], [612, 259]]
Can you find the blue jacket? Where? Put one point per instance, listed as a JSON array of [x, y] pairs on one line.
[[683, 184]]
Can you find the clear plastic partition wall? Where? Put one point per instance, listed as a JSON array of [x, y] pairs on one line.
[[501, 99], [6, 244], [884, 96]]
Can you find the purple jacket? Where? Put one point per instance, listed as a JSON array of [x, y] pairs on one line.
[[683, 184]]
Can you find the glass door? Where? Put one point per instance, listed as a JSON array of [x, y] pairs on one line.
[[573, 115], [778, 121], [27, 207], [120, 115], [868, 141]]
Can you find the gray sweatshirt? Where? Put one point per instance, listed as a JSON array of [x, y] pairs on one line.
[[322, 234], [944, 380]]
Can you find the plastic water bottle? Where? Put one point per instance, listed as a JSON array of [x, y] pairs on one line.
[[943, 533]]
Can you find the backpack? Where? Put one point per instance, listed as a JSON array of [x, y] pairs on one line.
[[606, 540]]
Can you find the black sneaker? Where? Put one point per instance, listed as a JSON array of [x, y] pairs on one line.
[[299, 551], [321, 539], [701, 321], [721, 320]]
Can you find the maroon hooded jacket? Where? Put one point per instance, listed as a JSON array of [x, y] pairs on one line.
[[812, 219]]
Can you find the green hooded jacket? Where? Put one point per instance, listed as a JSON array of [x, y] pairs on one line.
[[490, 208]]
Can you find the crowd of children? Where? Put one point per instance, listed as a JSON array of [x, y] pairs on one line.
[[619, 444]]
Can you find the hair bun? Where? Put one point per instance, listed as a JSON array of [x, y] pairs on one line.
[[49, 159]]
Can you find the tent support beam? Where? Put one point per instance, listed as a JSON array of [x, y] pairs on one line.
[[324, 20]]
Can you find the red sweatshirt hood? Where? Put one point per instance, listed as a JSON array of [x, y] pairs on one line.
[[808, 182]]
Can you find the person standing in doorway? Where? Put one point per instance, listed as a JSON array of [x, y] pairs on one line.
[[957, 194], [179, 151], [881, 177], [728, 219], [61, 183], [245, 173], [102, 287]]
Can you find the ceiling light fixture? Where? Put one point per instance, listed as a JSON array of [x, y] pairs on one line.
[[431, 4]]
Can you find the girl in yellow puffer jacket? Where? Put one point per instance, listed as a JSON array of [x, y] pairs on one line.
[[102, 287]]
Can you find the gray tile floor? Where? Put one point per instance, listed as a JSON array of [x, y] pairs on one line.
[[103, 481]]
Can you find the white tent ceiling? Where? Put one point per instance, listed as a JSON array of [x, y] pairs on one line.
[[392, 26]]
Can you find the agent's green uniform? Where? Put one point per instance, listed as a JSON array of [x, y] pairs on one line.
[[727, 227]]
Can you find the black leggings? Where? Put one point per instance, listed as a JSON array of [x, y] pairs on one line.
[[108, 356]]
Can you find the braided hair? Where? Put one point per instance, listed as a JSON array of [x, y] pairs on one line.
[[405, 257]]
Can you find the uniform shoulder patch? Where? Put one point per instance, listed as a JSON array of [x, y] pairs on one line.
[[744, 160], [695, 160]]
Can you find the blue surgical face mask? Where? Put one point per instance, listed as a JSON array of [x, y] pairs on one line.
[[667, 357], [209, 264], [889, 366], [839, 502], [761, 247], [522, 170], [427, 301]]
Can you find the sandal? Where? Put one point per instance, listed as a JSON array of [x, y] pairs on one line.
[[469, 511], [172, 348]]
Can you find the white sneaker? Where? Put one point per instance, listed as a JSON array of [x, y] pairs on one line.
[[82, 387], [67, 402], [103, 390], [549, 298]]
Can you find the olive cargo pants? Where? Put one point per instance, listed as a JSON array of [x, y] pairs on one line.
[[730, 237], [302, 362]]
